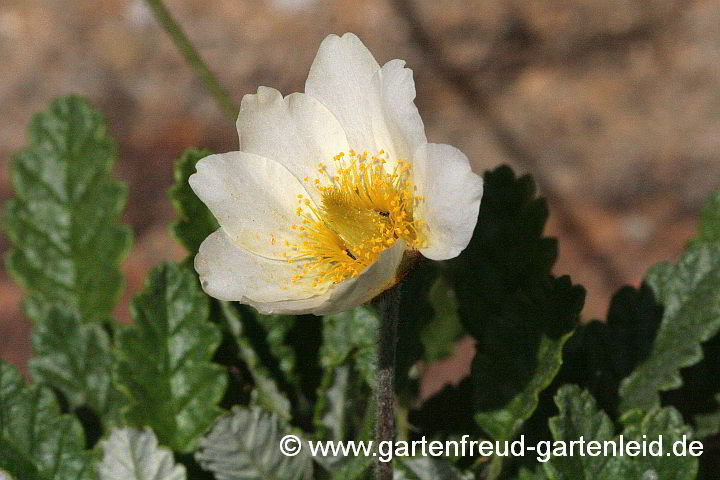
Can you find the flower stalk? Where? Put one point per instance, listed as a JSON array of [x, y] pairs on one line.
[[388, 307], [181, 41]]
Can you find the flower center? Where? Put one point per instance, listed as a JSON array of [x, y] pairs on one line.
[[365, 208]]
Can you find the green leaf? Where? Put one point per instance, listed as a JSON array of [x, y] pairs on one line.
[[276, 329], [351, 334], [348, 358], [428, 468], [337, 397], [668, 423], [438, 336], [699, 396], [708, 227], [601, 354], [195, 221], [356, 468], [131, 454], [342, 398], [266, 393], [245, 444], [75, 358], [417, 315], [37, 442], [163, 360], [521, 353], [62, 223], [690, 293], [580, 417], [429, 324], [507, 253], [510, 303], [525, 474], [708, 424]]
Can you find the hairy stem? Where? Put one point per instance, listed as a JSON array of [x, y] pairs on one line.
[[388, 306], [181, 41]]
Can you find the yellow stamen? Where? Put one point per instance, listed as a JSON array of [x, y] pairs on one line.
[[362, 212]]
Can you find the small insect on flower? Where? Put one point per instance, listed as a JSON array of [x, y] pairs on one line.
[[331, 189]]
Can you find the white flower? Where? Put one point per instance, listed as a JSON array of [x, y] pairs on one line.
[[330, 188]]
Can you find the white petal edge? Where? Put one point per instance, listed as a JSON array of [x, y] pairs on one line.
[[341, 78], [297, 131], [452, 194], [252, 197], [374, 105], [396, 87], [228, 272]]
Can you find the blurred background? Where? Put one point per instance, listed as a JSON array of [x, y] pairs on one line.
[[612, 105]]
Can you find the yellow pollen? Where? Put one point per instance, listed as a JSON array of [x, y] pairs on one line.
[[361, 212]]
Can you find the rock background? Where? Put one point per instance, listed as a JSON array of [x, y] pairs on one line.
[[613, 105]]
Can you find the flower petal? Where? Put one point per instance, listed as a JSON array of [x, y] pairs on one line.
[[341, 77], [452, 194], [396, 87], [375, 106], [297, 131], [346, 295], [230, 272], [253, 198]]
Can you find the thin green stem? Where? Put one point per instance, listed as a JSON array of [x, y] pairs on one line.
[[181, 41]]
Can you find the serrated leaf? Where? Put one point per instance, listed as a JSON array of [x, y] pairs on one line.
[[195, 221], [507, 253], [352, 333], [668, 423], [348, 357], [690, 293], [75, 358], [342, 397], [245, 445], [510, 303], [274, 340], [130, 454], [580, 417], [336, 397], [601, 354], [276, 329], [266, 393], [521, 353], [62, 223], [37, 442], [428, 468], [163, 360], [699, 396]]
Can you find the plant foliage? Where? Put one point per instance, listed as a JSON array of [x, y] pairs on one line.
[[205, 389]]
